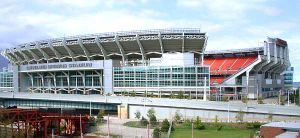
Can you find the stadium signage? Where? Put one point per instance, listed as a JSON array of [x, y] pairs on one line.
[[62, 66]]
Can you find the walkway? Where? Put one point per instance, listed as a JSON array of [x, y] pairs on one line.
[[116, 128]]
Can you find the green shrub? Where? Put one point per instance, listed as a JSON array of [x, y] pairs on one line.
[[165, 125], [225, 98], [144, 121], [100, 116], [187, 123], [133, 93], [212, 98], [177, 117], [180, 95], [198, 124], [240, 116], [253, 125], [219, 127], [244, 99], [260, 100], [156, 132]]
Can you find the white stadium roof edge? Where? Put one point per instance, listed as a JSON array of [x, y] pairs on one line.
[[140, 44]]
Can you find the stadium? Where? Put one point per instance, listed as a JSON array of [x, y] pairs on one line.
[[162, 63]]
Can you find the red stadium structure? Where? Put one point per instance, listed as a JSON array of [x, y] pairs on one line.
[[28, 122], [253, 72], [220, 67]]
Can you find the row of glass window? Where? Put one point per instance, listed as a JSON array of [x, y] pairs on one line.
[[194, 69], [6, 79], [157, 83], [160, 76], [62, 81]]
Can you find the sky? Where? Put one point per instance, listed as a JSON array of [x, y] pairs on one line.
[[229, 24]]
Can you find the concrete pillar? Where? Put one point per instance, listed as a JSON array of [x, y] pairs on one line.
[[123, 111]]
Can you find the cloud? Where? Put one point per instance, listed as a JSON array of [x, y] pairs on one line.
[[228, 9], [89, 3], [273, 29]]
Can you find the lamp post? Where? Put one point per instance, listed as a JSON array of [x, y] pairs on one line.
[[228, 110], [288, 97]]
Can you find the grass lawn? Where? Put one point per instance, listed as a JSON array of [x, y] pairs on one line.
[[184, 132]]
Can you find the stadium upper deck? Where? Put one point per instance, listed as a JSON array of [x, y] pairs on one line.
[[142, 44]]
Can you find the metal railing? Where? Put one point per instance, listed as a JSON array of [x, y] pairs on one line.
[[256, 49], [120, 33]]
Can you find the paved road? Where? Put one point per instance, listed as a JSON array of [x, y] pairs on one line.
[[116, 128]]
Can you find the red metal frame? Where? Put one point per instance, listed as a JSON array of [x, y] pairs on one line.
[[22, 120]]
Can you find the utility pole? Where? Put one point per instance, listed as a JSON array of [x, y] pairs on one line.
[[81, 136], [295, 97], [228, 110], [90, 108], [147, 130], [288, 97], [108, 125], [192, 129]]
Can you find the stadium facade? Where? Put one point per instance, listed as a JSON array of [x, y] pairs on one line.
[[158, 62]]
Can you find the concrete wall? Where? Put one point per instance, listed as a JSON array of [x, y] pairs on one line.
[[205, 115], [16, 78]]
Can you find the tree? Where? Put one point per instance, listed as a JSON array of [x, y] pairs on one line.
[[152, 117], [152, 95], [244, 99], [180, 95], [165, 125], [217, 125], [177, 116], [216, 119], [153, 120], [92, 121], [240, 116], [100, 116], [172, 96], [156, 132], [133, 94], [137, 114], [198, 124], [281, 100], [212, 98], [225, 98], [144, 121], [150, 113]]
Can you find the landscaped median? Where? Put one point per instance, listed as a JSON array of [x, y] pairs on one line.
[[194, 127], [213, 130], [206, 130]]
